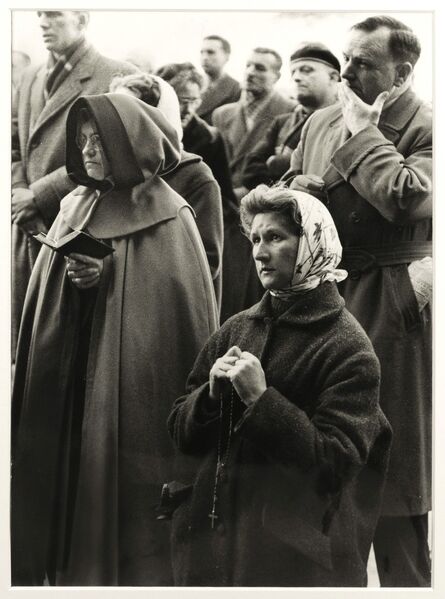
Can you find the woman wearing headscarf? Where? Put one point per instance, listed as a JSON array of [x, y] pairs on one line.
[[282, 414], [192, 178], [105, 347]]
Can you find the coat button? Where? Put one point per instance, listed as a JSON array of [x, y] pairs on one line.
[[355, 217], [267, 320], [35, 144]]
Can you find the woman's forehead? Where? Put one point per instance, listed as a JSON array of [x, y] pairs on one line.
[[264, 221]]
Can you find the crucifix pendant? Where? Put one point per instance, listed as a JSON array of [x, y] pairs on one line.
[[213, 517]]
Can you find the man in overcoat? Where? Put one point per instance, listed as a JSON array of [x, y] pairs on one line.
[[242, 124], [315, 72], [370, 158], [221, 87], [39, 178]]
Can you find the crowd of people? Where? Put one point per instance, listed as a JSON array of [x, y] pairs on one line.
[[221, 335]]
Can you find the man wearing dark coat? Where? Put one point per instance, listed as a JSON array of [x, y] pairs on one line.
[[221, 87], [39, 178], [370, 159], [315, 71]]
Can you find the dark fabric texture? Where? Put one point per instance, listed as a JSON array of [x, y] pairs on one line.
[[94, 473], [206, 141], [38, 153], [230, 122], [241, 285], [193, 180], [300, 491], [279, 141], [226, 90], [402, 552], [379, 192]]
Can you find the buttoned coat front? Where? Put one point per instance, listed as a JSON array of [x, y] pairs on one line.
[[379, 192]]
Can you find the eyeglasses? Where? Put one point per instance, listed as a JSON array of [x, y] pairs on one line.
[[94, 140], [192, 102]]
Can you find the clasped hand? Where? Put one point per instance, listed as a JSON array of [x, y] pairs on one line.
[[84, 271], [243, 370], [358, 115]]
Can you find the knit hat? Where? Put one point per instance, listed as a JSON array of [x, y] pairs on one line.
[[318, 52]]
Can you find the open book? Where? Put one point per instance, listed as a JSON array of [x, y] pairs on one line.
[[77, 242]]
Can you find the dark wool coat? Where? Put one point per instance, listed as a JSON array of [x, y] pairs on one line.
[[96, 376], [379, 192], [38, 145], [279, 140], [226, 90], [193, 180], [206, 141], [301, 489]]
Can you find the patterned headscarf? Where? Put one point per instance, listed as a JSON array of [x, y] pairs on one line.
[[319, 249]]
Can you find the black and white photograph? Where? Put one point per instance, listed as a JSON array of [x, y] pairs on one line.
[[220, 359]]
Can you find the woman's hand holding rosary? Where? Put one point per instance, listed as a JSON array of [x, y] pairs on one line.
[[243, 370]]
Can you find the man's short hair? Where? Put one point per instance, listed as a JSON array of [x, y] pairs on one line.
[[278, 60], [224, 43], [403, 43], [180, 73]]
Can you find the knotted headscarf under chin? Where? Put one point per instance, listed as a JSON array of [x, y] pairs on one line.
[[319, 250]]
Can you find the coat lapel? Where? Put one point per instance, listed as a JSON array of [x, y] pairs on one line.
[[262, 122], [217, 96], [68, 90]]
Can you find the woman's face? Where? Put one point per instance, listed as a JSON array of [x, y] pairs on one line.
[[93, 156], [275, 247]]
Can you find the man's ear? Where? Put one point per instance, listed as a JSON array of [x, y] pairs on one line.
[[334, 76], [84, 18], [403, 71]]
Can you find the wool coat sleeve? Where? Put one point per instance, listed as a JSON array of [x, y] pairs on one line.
[[193, 421], [334, 438], [397, 186]]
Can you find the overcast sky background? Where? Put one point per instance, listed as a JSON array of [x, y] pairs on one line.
[[175, 36]]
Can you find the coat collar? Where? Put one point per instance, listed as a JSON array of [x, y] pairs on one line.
[[85, 57], [317, 305], [392, 119], [123, 212]]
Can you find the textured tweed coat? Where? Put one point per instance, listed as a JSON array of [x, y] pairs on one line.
[[96, 376], [300, 493], [230, 121]]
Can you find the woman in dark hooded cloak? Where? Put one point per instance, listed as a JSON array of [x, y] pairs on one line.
[[105, 346]]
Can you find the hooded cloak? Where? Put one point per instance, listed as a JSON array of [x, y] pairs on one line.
[[97, 370]]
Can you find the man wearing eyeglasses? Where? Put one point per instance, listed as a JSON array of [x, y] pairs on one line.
[[39, 178]]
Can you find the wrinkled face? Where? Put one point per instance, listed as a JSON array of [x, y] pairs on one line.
[[213, 57], [93, 156], [60, 29], [314, 82], [369, 68], [189, 96], [274, 249], [260, 75]]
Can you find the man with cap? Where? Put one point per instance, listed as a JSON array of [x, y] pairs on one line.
[[315, 71]]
